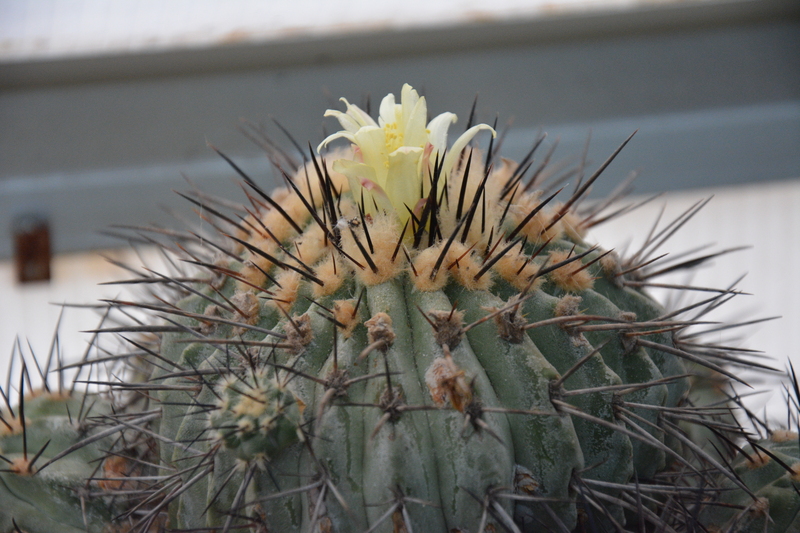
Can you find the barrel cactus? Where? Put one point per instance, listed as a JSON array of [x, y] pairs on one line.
[[408, 336]]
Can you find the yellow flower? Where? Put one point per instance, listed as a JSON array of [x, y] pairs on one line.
[[394, 158]]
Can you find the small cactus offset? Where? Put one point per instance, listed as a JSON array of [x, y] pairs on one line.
[[410, 336], [36, 495], [770, 468]]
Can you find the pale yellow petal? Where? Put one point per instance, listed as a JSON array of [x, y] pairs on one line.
[[332, 137], [437, 129], [372, 142], [403, 180], [462, 143], [386, 113], [362, 180], [409, 99], [415, 133], [354, 169], [358, 114], [348, 122]]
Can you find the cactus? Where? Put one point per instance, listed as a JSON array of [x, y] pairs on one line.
[[770, 468], [408, 337], [51, 445]]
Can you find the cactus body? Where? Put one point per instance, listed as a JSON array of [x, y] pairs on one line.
[[409, 337], [443, 379]]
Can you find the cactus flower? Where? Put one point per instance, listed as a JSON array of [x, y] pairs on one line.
[[394, 158]]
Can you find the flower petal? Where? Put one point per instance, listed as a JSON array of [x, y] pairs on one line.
[[415, 133], [362, 178], [437, 128], [403, 181], [409, 98], [462, 143], [372, 142], [348, 122], [333, 136], [387, 113], [358, 114]]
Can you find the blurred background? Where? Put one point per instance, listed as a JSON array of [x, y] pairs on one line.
[[106, 107]]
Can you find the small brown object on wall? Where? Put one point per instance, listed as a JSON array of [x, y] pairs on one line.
[[32, 248]]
